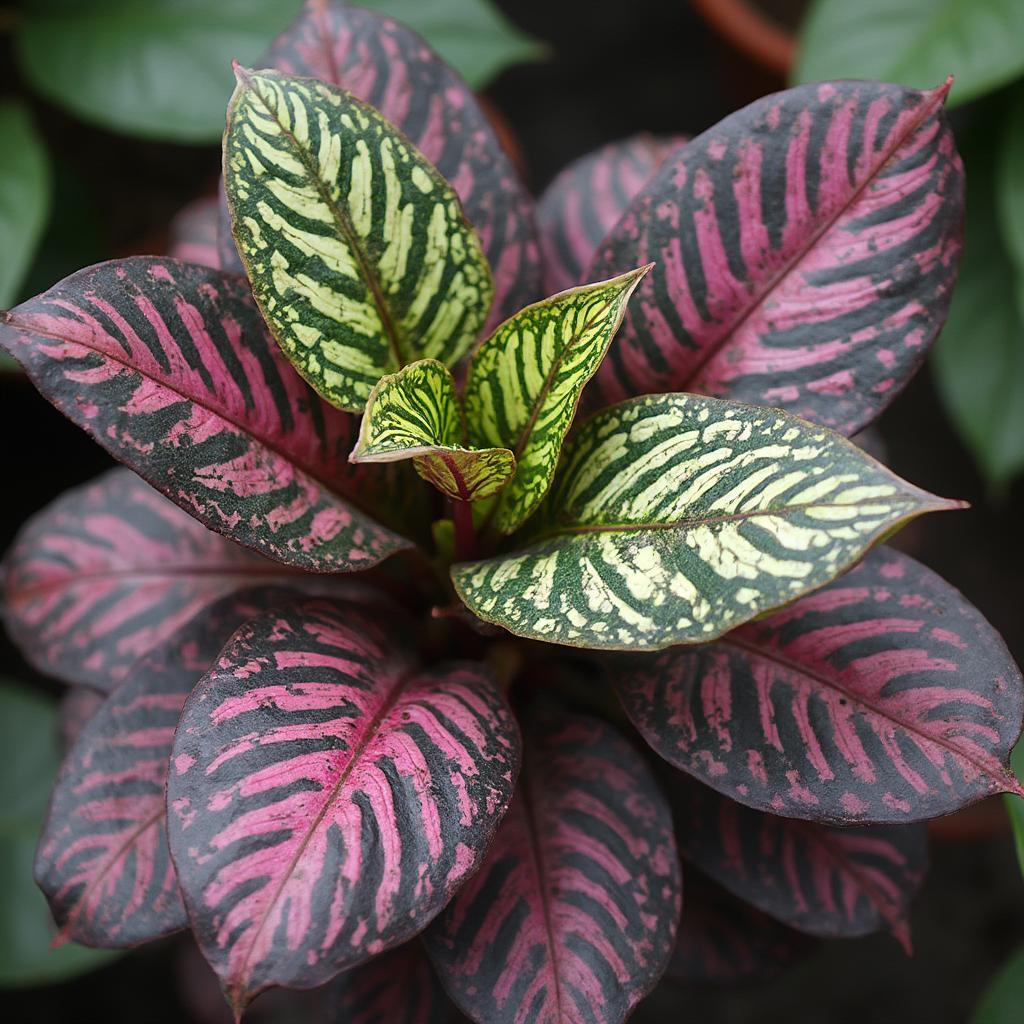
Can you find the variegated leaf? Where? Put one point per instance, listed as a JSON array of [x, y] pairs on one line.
[[169, 367], [392, 69], [103, 860], [587, 198], [194, 233], [882, 697], [327, 797], [77, 708], [526, 379], [806, 250], [675, 518], [357, 249], [831, 882], [573, 913], [416, 414]]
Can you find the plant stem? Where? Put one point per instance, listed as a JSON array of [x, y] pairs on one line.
[[465, 534]]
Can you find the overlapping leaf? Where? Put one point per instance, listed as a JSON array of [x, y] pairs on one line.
[[675, 518], [573, 913], [526, 379], [416, 414], [169, 367], [883, 697], [327, 797], [357, 249], [831, 882], [194, 233], [586, 199], [103, 860], [806, 249], [392, 69], [77, 707]]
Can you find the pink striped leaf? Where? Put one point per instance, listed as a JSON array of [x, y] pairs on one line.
[[585, 201], [830, 882], [724, 942], [194, 233], [103, 860], [77, 708], [169, 366], [388, 66], [805, 252], [112, 569], [883, 697], [327, 796], [573, 914]]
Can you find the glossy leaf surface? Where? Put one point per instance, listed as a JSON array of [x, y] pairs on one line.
[[103, 860], [327, 797], [882, 697], [389, 67], [169, 367], [357, 249], [416, 414], [584, 202], [573, 913], [805, 250], [194, 233], [526, 379], [831, 882], [675, 518]]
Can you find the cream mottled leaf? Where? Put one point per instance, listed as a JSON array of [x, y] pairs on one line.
[[415, 414], [674, 518], [525, 382], [358, 253]]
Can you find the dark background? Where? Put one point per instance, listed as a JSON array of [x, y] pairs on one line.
[[615, 68]]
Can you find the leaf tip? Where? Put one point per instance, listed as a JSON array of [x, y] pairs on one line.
[[1013, 786], [900, 930], [243, 75], [943, 90]]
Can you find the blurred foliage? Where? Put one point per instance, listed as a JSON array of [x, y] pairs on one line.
[[1003, 1002]]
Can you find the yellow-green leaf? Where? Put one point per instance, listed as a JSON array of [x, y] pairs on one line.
[[525, 383], [674, 518], [415, 414], [357, 249]]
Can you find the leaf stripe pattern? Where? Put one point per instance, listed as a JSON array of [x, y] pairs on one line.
[[675, 518], [393, 69], [326, 797], [829, 882], [525, 381], [883, 697], [587, 198], [357, 250], [806, 248], [169, 367], [103, 860], [573, 914]]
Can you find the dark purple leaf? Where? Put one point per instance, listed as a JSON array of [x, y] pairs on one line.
[[194, 233]]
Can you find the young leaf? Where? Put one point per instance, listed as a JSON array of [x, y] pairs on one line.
[[586, 200], [526, 379], [169, 367], [327, 797], [573, 914], [389, 67], [806, 249], [194, 233], [415, 414], [882, 697], [915, 42], [103, 860], [675, 518], [357, 250], [831, 882]]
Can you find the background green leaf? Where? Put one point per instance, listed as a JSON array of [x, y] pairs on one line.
[[1010, 181], [1015, 805], [28, 766], [1003, 1003], [915, 42]]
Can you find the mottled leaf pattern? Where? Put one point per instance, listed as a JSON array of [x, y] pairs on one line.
[[169, 367], [194, 233], [357, 249], [675, 518], [883, 697], [392, 69], [416, 414], [526, 379], [831, 882], [806, 248], [103, 860], [326, 797], [573, 914], [585, 201]]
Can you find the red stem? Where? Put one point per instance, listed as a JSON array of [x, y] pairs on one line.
[[465, 534]]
